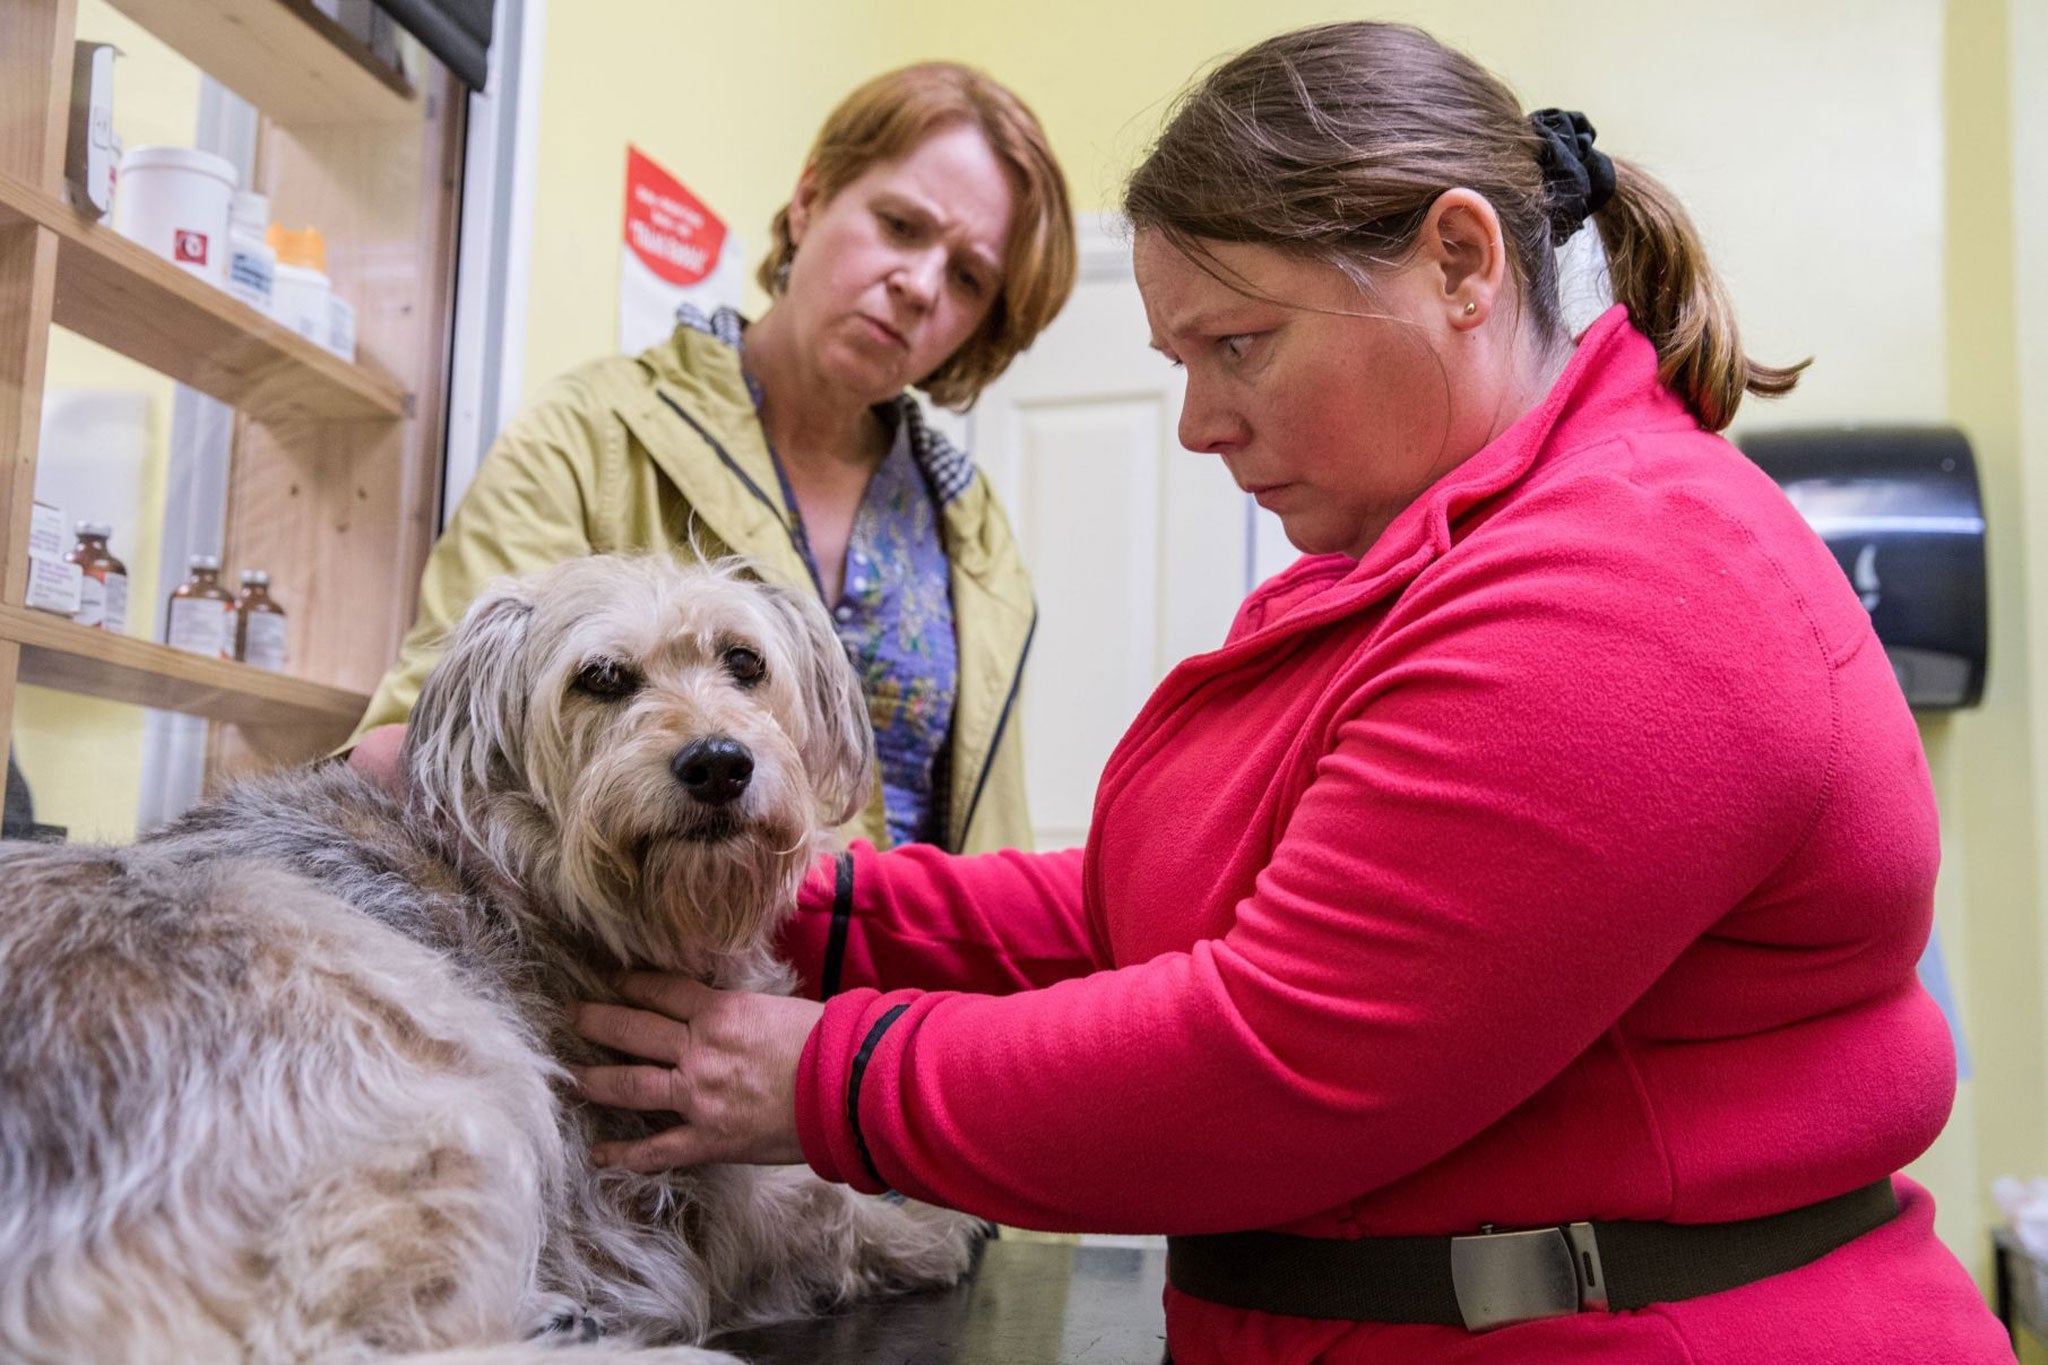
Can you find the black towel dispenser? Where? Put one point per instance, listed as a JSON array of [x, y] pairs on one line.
[[1899, 507]]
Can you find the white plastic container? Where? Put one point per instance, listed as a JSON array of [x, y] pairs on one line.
[[174, 201], [301, 302], [252, 265]]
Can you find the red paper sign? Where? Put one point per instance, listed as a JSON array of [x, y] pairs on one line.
[[667, 227]]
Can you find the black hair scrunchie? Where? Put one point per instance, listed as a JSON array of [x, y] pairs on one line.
[[1578, 180]]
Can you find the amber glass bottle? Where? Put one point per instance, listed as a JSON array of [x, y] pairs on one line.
[[201, 617], [103, 591], [259, 623]]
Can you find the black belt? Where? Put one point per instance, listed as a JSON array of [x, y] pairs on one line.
[[1495, 1279]]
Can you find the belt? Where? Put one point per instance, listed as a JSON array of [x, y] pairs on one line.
[[1496, 1279]]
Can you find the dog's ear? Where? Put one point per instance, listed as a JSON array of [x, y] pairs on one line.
[[464, 736], [838, 745]]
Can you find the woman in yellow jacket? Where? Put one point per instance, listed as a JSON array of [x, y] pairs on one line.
[[929, 241]]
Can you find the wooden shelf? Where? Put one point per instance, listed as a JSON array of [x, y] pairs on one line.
[[132, 301], [283, 56], [73, 658], [334, 477]]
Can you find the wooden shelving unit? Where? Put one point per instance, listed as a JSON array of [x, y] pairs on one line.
[[335, 469], [131, 300]]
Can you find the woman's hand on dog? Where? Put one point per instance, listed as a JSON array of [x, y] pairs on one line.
[[726, 1065]]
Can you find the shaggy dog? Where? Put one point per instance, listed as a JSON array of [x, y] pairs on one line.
[[283, 1081]]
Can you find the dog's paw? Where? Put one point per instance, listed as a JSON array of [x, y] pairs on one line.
[[557, 1319], [559, 1326], [918, 1246]]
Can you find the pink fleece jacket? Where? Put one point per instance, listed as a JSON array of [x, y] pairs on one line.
[[1567, 857]]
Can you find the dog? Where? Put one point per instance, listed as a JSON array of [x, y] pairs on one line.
[[286, 1079]]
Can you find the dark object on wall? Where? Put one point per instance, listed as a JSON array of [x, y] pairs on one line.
[[2017, 1281], [456, 31], [18, 816], [1899, 507]]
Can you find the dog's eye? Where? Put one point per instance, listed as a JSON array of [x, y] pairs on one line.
[[745, 665], [607, 680]]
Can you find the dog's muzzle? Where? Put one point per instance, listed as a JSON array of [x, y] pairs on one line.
[[715, 771]]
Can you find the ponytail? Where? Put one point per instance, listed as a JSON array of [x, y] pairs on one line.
[[1660, 272]]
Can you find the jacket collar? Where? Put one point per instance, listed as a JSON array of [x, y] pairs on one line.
[[696, 398], [699, 396], [945, 467]]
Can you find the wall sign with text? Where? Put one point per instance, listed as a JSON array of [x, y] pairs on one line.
[[675, 251]]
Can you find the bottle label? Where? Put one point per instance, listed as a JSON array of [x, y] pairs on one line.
[[53, 585], [46, 538], [92, 602], [263, 640], [199, 625], [116, 617], [252, 279]]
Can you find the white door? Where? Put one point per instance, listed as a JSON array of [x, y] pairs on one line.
[[1139, 551]]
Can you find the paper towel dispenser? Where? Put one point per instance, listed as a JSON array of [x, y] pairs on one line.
[[1899, 507]]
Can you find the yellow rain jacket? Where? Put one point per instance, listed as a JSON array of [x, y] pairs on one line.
[[663, 451]]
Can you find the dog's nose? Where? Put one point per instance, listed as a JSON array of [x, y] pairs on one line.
[[715, 771]]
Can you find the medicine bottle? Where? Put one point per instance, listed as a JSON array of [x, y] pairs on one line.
[[103, 589], [301, 295], [201, 618], [259, 623], [252, 261]]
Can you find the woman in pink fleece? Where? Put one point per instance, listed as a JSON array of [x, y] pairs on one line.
[[1550, 849]]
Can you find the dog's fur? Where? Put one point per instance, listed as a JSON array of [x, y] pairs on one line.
[[282, 1082]]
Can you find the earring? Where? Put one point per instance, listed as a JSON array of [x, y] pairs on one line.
[[1470, 307], [782, 272]]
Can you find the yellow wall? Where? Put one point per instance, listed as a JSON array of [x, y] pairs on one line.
[[83, 757], [1984, 761], [2029, 74], [2014, 1016], [1850, 166]]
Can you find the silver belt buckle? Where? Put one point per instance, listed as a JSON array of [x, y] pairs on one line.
[[1503, 1278]]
